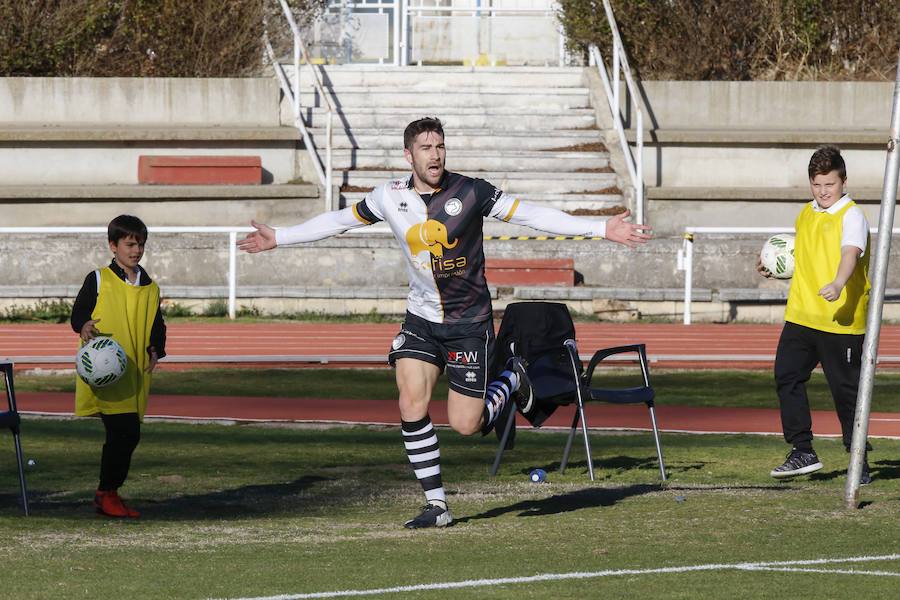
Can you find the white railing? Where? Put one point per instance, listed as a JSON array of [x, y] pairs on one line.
[[232, 246], [324, 172], [685, 258], [620, 64], [476, 11]]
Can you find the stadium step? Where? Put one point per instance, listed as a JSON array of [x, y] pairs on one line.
[[432, 77], [514, 182], [508, 119], [538, 97], [529, 131], [466, 161], [560, 140], [566, 202]]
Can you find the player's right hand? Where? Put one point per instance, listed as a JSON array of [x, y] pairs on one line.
[[88, 331], [762, 270], [260, 240]]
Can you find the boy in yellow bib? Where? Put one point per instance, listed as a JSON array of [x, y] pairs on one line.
[[825, 318], [122, 302]]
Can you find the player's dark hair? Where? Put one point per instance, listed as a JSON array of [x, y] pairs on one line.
[[825, 160], [418, 126], [125, 226]]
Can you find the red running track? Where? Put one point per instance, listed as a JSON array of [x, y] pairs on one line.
[[670, 345], [603, 416]]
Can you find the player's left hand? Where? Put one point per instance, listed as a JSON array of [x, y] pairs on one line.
[[621, 231], [154, 358], [830, 292]]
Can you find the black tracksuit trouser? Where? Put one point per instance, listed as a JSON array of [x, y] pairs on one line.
[[123, 432], [800, 349]]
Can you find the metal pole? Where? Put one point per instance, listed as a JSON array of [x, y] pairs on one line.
[[639, 166], [232, 273], [688, 275], [615, 73], [329, 170], [876, 304], [17, 442], [404, 32], [396, 21]]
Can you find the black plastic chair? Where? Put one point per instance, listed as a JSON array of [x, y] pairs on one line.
[[10, 420], [544, 335]]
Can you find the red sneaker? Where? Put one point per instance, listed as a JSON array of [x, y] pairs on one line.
[[130, 512], [109, 504]]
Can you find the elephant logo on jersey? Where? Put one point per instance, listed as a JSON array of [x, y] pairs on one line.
[[430, 235]]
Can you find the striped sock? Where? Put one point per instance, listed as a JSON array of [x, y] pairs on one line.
[[497, 395], [424, 453]]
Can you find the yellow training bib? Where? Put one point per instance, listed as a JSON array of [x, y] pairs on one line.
[[126, 313], [817, 254]]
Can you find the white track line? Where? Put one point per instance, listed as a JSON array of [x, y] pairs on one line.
[[450, 585]]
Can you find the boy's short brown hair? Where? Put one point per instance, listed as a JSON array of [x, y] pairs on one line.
[[825, 160], [125, 226], [421, 126]]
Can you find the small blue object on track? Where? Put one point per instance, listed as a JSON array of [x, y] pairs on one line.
[[537, 476]]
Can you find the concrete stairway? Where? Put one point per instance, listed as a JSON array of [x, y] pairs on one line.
[[529, 130]]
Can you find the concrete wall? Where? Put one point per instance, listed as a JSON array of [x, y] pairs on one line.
[[761, 134], [773, 105], [49, 101], [91, 131]]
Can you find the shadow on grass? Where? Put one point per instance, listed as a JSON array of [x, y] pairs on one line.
[[562, 503], [880, 469], [264, 500], [602, 467], [594, 497]]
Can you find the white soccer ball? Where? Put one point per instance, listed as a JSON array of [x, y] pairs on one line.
[[101, 362], [777, 256]]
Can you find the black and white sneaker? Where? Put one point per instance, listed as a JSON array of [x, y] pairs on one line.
[[799, 462], [524, 395], [433, 515]]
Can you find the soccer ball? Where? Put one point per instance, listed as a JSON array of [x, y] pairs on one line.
[[101, 362], [777, 256]]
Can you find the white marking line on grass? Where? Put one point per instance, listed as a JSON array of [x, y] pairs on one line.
[[827, 571], [450, 585]]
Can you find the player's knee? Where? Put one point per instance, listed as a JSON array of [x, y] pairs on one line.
[[465, 424], [412, 407]]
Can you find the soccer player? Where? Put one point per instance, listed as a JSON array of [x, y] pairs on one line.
[[437, 217], [825, 318]]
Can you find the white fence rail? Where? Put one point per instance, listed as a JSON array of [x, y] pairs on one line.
[[685, 260], [230, 231], [611, 87]]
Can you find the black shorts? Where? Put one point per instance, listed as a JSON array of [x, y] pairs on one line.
[[464, 349]]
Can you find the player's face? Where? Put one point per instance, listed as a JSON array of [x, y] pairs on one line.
[[128, 252], [827, 189], [427, 157]]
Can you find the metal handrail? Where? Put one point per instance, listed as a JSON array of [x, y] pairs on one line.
[[324, 172], [685, 258], [232, 246], [620, 64]]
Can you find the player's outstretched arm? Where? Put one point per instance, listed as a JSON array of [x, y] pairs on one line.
[[552, 220], [630, 234], [258, 241]]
